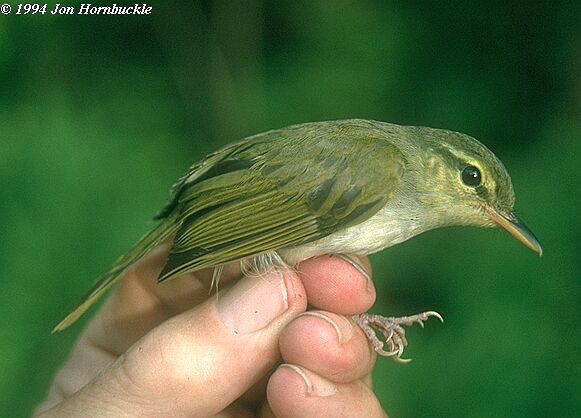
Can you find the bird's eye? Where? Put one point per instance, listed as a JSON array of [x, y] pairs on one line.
[[471, 176]]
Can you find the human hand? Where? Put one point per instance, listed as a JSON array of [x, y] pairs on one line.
[[174, 350]]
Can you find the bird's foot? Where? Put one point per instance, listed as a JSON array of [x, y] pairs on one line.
[[390, 328], [392, 331]]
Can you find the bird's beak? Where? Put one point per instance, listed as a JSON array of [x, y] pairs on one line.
[[516, 228]]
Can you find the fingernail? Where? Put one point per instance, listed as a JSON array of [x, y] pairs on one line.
[[314, 385], [365, 273], [253, 303], [357, 263], [340, 324]]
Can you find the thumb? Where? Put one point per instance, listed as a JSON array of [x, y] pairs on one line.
[[201, 360]]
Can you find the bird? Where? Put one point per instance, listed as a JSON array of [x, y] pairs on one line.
[[275, 199]]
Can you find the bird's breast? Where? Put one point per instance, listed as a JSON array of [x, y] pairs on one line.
[[391, 225]]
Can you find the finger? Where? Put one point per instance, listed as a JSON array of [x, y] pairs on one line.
[[329, 345], [137, 305], [335, 285], [203, 359], [294, 391], [140, 303]]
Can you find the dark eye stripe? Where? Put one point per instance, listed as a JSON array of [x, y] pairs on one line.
[[471, 176]]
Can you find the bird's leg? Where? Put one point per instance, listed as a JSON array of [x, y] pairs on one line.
[[390, 328], [392, 331]]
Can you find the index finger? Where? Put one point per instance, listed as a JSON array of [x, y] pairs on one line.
[[338, 286]]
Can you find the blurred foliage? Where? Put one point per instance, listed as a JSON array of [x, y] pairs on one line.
[[100, 114]]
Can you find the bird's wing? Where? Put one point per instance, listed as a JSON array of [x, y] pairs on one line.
[[268, 193]]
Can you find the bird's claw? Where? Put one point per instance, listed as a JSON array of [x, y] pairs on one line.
[[392, 330]]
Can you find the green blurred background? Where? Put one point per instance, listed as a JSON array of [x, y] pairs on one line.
[[100, 114]]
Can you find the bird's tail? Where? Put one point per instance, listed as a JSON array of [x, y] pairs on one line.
[[158, 235]]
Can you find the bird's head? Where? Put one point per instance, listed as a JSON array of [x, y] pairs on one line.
[[464, 183]]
